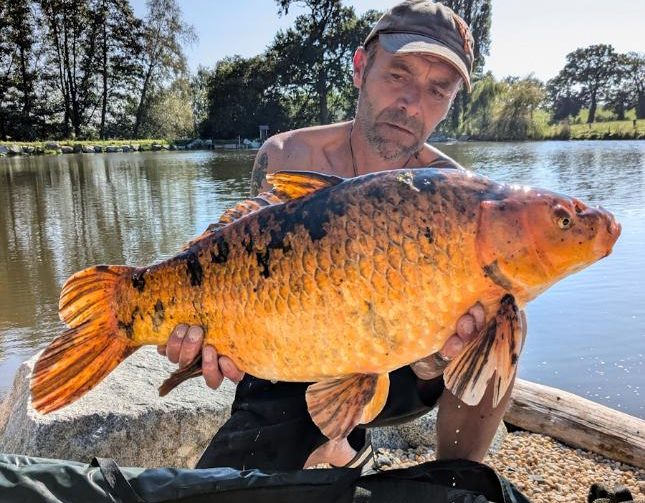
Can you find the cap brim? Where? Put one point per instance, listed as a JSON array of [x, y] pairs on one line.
[[411, 42]]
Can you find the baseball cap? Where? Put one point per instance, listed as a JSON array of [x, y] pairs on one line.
[[427, 27]]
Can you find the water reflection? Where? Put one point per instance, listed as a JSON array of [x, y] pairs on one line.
[[61, 214]]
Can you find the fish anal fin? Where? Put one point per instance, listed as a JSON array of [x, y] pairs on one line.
[[295, 184], [193, 369], [337, 406], [495, 350]]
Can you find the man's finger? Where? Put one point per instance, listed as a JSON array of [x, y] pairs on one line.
[[452, 347], [466, 327], [229, 369], [173, 346], [210, 367], [191, 345], [477, 312]]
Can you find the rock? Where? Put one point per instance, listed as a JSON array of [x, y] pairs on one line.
[[66, 149], [113, 149], [15, 150], [181, 147], [3, 150], [134, 147], [39, 150], [78, 148], [98, 148], [88, 149], [173, 147], [208, 143], [52, 145], [28, 150], [123, 418], [156, 146], [421, 432], [126, 148]]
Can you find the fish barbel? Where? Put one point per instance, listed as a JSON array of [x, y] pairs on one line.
[[337, 282]]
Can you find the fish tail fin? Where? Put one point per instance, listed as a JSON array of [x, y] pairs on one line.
[[193, 369], [91, 348]]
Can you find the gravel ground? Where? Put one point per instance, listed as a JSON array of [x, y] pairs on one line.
[[544, 469]]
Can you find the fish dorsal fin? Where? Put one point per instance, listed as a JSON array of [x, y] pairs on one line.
[[238, 211], [295, 184], [287, 185]]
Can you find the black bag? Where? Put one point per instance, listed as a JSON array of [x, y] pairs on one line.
[[27, 479]]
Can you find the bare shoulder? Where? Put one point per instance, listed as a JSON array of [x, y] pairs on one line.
[[300, 149], [432, 156]]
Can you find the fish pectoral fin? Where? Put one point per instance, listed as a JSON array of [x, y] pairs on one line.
[[295, 184], [337, 406], [495, 350]]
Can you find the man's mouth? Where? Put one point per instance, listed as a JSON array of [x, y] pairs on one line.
[[398, 127]]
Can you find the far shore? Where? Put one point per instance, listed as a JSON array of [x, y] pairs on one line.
[[612, 130]]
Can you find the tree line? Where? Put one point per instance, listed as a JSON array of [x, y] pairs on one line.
[[88, 68], [92, 69]]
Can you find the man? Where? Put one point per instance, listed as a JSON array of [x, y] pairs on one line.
[[408, 72]]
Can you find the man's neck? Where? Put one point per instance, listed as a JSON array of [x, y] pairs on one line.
[[364, 156]]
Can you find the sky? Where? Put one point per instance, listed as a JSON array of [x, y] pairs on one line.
[[528, 36]]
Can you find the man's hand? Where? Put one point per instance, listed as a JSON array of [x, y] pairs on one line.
[[468, 326], [184, 345]]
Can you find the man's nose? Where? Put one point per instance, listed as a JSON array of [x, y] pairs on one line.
[[410, 99]]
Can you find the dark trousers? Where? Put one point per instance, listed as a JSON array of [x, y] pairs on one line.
[[270, 427]]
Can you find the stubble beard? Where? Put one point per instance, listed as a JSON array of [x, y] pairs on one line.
[[388, 148]]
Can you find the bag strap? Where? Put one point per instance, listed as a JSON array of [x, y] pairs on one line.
[[116, 480]]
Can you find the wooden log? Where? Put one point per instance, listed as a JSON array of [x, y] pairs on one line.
[[577, 422]]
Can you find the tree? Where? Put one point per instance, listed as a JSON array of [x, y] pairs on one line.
[[169, 113], [314, 58], [589, 74], [477, 13], [481, 104], [17, 69], [163, 56], [634, 74], [517, 103], [241, 96], [199, 95], [563, 99], [119, 46], [72, 31]]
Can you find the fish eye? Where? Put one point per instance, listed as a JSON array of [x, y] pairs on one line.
[[563, 218], [564, 223]]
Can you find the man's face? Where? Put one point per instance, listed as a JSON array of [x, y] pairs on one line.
[[402, 99]]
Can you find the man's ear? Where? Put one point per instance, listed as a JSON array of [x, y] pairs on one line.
[[360, 62]]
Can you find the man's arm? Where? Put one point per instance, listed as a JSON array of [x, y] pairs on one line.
[[266, 161]]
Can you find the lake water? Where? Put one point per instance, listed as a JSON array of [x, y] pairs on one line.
[[61, 214]]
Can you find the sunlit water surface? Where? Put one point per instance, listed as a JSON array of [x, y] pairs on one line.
[[61, 214]]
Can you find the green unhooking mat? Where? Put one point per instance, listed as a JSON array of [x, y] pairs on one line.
[[34, 480]]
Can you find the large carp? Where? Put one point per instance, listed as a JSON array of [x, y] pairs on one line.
[[338, 282]]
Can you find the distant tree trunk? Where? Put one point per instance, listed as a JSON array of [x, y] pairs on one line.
[[104, 76], [142, 101], [322, 99], [592, 109], [640, 106]]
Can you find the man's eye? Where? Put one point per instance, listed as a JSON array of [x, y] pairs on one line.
[[437, 93], [396, 76]]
